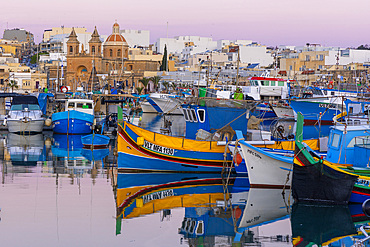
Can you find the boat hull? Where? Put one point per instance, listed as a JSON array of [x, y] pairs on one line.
[[20, 126], [72, 122], [153, 155], [266, 170], [315, 111], [165, 105], [95, 141]]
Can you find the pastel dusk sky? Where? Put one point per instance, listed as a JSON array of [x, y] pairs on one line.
[[271, 22]]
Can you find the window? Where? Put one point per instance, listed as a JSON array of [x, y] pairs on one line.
[[362, 140], [190, 115], [290, 67], [119, 53], [71, 49], [185, 114], [201, 115], [272, 83], [280, 83], [335, 140], [93, 49], [321, 57], [110, 52], [71, 105], [307, 57], [194, 115], [200, 228]]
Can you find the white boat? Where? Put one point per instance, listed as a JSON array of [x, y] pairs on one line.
[[146, 107], [25, 115], [266, 170], [165, 103]]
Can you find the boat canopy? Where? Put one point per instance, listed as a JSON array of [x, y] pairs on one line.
[[29, 99]]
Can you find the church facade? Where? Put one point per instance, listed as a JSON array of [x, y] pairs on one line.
[[106, 65]]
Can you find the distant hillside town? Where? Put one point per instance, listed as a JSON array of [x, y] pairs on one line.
[[78, 59]]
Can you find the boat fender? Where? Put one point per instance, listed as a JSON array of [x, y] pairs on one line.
[[140, 141], [48, 122], [5, 120], [366, 207], [238, 158]]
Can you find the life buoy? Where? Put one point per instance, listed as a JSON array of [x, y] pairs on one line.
[[331, 85], [64, 89]]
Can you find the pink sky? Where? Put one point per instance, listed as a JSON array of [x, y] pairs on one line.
[[270, 22]]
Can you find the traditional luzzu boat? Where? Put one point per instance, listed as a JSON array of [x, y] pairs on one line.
[[140, 149], [77, 118], [340, 178]]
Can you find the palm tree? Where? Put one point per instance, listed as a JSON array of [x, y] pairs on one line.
[[13, 84], [145, 82], [155, 80], [139, 89], [166, 85], [173, 85]]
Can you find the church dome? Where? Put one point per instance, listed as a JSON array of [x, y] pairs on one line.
[[115, 38]]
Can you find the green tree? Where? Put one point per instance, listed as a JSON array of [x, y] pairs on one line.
[[36, 57], [13, 84], [155, 80], [173, 85], [164, 60], [139, 89], [166, 84], [145, 82]]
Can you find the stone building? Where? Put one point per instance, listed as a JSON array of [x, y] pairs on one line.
[[106, 65]]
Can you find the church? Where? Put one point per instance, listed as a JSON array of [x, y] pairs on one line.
[[107, 64]]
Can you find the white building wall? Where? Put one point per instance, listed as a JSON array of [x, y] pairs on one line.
[[347, 56], [255, 54], [136, 37], [19, 77], [177, 44]]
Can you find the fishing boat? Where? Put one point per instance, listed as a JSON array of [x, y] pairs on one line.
[[265, 169], [95, 141], [165, 103], [77, 117], [346, 180], [140, 149], [146, 107], [25, 115]]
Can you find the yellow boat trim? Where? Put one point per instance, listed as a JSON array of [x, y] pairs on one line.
[[178, 143]]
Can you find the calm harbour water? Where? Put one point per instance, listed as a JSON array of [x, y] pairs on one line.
[[53, 193]]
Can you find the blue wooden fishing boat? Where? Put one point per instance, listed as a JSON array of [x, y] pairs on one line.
[[77, 118]]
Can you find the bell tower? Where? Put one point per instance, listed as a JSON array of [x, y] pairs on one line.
[[95, 44], [73, 44]]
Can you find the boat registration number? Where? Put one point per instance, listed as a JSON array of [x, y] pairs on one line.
[[159, 149], [157, 195], [331, 106]]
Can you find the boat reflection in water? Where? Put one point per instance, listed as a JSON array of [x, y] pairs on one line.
[[322, 225], [210, 216], [25, 150], [68, 153]]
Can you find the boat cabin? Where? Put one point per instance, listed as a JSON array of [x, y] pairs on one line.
[[81, 105], [349, 145]]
